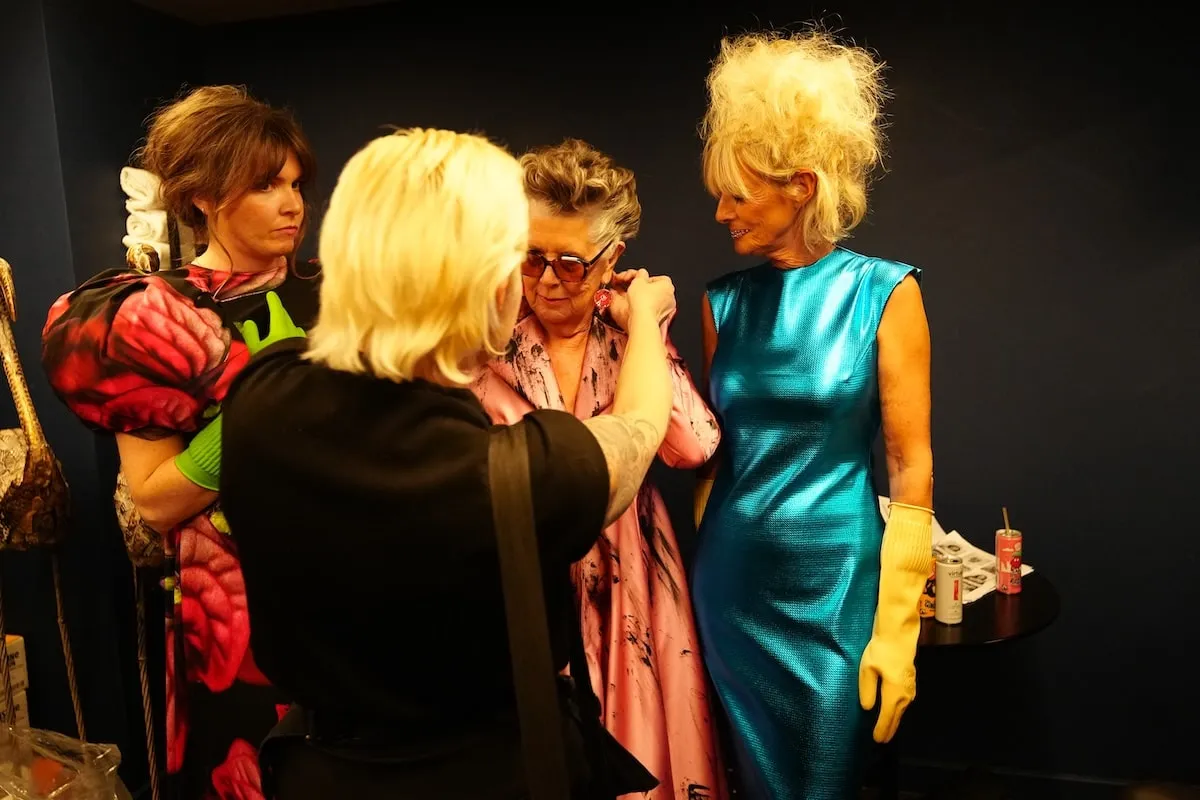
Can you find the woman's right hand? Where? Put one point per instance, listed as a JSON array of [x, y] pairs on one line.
[[649, 294], [641, 409]]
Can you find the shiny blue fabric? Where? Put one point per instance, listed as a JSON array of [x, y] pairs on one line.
[[786, 574]]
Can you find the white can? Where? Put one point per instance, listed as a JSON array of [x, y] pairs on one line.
[[947, 599]]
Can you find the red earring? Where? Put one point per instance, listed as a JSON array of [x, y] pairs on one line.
[[603, 300]]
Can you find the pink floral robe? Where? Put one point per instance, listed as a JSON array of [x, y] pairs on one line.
[[636, 612]]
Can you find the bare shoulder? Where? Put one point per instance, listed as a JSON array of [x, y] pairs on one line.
[[904, 314], [907, 294]]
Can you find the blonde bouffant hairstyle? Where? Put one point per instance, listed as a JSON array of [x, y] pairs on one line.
[[782, 103], [423, 228], [573, 177]]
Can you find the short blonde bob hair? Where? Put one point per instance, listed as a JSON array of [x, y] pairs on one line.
[[423, 227], [573, 177], [780, 104]]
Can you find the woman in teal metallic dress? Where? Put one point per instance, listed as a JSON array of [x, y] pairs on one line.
[[805, 600]]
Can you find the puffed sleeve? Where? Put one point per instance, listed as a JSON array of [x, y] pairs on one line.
[[134, 353]]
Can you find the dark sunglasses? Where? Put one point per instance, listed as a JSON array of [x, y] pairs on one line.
[[568, 269]]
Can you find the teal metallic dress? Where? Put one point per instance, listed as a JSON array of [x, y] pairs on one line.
[[786, 574]]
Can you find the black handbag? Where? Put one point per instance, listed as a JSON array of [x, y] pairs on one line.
[[614, 770]]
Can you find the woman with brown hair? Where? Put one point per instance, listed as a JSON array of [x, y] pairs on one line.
[[150, 357]]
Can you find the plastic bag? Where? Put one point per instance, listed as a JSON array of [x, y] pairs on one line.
[[44, 765]]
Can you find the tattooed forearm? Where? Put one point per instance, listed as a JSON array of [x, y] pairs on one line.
[[629, 445]]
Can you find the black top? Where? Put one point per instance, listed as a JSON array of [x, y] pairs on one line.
[[362, 515]]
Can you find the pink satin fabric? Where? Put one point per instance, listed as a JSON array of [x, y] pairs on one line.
[[635, 608]]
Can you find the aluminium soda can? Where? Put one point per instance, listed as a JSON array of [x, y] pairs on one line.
[[925, 606], [948, 605], [1008, 561]]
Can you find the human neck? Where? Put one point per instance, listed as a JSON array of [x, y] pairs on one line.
[[567, 336], [794, 252], [219, 259]]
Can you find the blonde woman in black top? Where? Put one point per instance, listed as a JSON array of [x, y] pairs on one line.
[[358, 458]]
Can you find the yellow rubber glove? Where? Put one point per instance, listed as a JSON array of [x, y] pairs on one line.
[[700, 499], [888, 659]]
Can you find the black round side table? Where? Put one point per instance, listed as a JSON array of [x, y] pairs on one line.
[[992, 619], [997, 617]]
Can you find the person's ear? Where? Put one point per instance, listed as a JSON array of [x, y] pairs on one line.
[[802, 186], [618, 250]]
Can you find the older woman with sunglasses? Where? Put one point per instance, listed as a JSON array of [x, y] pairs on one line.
[[566, 351]]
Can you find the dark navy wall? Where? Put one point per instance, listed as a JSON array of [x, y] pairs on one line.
[[1040, 171]]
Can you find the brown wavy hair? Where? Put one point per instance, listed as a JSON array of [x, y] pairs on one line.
[[216, 143]]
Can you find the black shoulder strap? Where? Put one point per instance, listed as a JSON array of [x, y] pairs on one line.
[[538, 706]]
